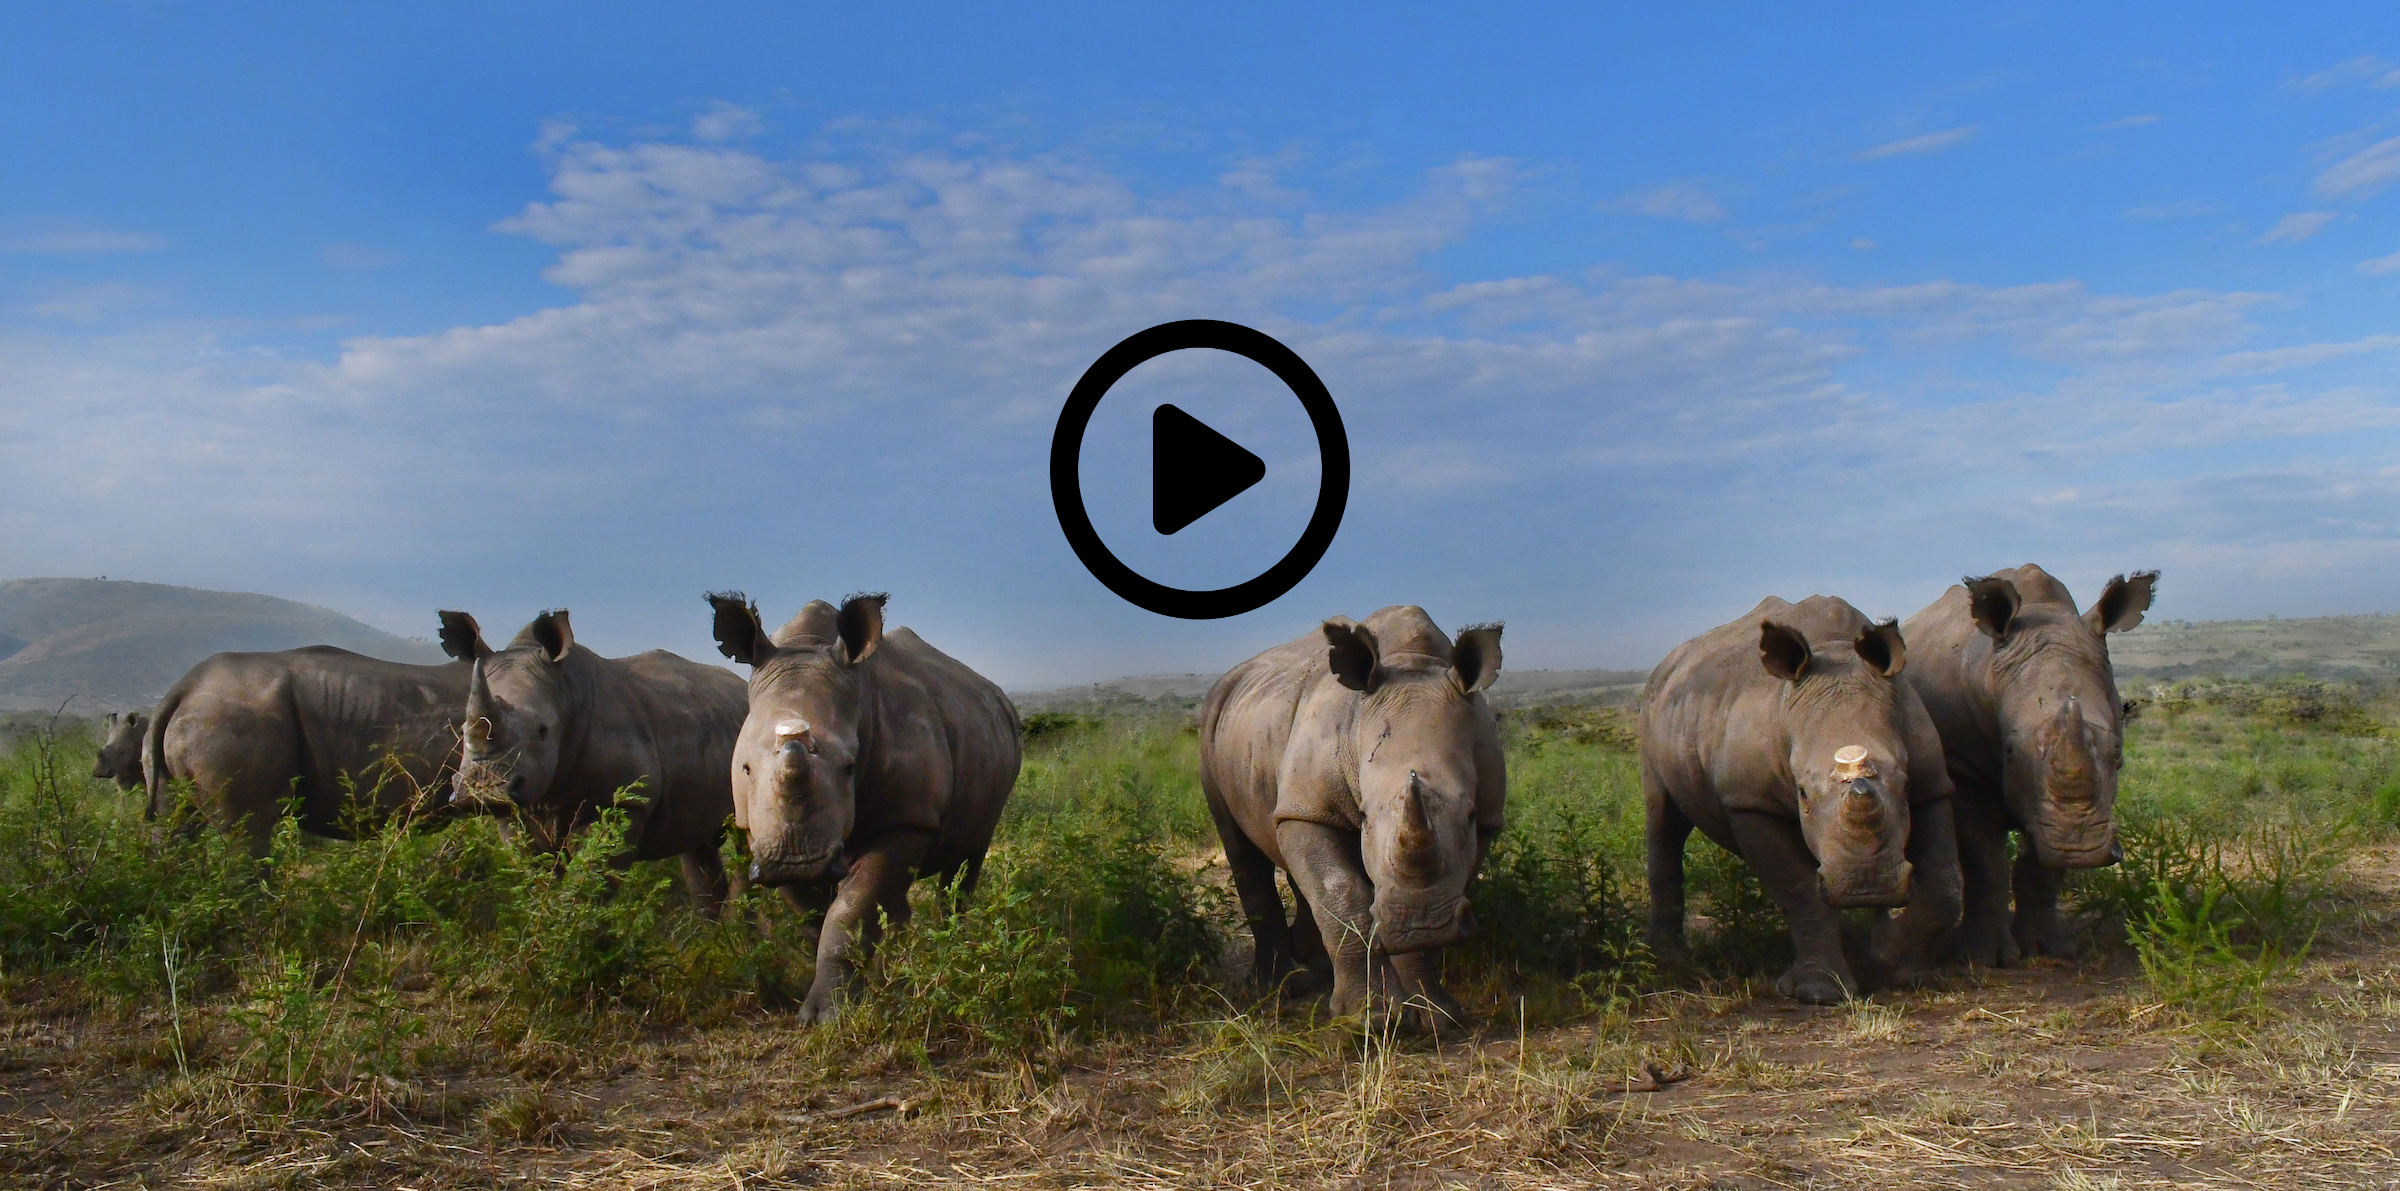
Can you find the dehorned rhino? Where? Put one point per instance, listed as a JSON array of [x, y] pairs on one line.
[[867, 759], [553, 731], [2020, 686], [1361, 760], [1787, 738], [120, 755], [252, 730]]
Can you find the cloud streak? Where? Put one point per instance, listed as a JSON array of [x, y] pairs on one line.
[[1932, 142]]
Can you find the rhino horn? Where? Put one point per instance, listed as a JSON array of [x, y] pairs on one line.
[[479, 703], [1415, 825], [2069, 753]]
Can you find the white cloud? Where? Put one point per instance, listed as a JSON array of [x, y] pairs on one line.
[[2362, 174], [1932, 142], [1675, 200], [2187, 209], [2380, 265], [809, 376], [2366, 69], [2295, 227], [2127, 122], [726, 122]]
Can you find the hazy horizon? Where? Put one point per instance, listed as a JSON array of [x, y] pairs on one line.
[[1634, 318]]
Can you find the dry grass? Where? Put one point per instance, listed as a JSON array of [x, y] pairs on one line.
[[2051, 1076]]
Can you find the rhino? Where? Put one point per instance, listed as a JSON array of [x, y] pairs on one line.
[[553, 731], [1787, 738], [1362, 760], [249, 731], [120, 756], [2020, 687], [868, 759]]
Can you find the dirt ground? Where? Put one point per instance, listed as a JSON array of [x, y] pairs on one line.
[[2048, 1076]]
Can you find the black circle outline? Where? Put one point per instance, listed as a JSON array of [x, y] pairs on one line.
[[1333, 480]]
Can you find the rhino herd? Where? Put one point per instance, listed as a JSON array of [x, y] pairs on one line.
[[1851, 763]]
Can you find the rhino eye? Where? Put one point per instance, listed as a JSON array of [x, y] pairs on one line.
[[541, 732], [745, 767]]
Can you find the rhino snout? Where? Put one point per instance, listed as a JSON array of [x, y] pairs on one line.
[[1400, 931], [819, 867], [1882, 887]]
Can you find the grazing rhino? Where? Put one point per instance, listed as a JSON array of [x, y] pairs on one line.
[[2020, 687], [120, 756], [868, 759], [553, 731], [1787, 738], [1361, 760], [251, 730]]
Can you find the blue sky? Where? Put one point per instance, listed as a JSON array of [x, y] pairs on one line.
[[1635, 316]]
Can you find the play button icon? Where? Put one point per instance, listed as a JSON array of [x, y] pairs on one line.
[[1193, 469]]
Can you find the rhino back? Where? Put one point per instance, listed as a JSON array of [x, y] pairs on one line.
[[242, 727], [949, 745], [669, 723]]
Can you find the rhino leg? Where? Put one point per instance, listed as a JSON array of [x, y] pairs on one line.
[[1983, 937], [2040, 929], [1775, 849], [1262, 907], [1308, 949], [1326, 868], [1415, 984], [878, 881], [1909, 942], [704, 880], [1665, 830]]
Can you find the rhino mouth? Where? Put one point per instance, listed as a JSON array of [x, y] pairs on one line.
[[820, 867], [1399, 932], [2098, 848], [1874, 887]]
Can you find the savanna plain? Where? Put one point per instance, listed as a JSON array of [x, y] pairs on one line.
[[430, 1006]]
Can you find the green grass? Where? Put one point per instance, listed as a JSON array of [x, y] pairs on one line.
[[290, 986]]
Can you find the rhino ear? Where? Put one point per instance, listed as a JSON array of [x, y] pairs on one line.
[[1879, 645], [1993, 602], [860, 623], [2121, 605], [1475, 659], [551, 631], [1351, 653], [112, 720], [462, 638], [740, 635], [1782, 650]]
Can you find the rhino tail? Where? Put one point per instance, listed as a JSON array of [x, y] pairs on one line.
[[154, 754]]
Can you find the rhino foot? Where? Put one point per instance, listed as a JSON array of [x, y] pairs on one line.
[[1986, 944], [824, 1003], [2056, 938], [1814, 986]]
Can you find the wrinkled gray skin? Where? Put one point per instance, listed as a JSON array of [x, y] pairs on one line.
[[1361, 760], [1740, 728], [867, 759], [553, 731], [120, 757], [251, 730], [2020, 686]]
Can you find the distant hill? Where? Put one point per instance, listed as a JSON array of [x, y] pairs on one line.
[[2343, 648], [2336, 647], [125, 643]]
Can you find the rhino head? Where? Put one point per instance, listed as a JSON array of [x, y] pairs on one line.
[[1415, 733], [1847, 749], [519, 704], [120, 757], [2061, 726], [796, 763]]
